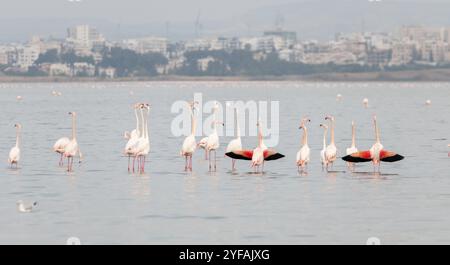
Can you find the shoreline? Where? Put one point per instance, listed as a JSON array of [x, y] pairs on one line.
[[434, 75]]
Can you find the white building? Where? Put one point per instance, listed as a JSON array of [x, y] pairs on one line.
[[59, 69], [108, 72], [291, 55], [146, 45], [271, 43], [83, 38], [402, 53], [203, 63], [433, 51], [249, 43], [83, 69], [27, 55], [3, 58]]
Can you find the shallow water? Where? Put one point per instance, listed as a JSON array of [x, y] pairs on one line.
[[101, 203]]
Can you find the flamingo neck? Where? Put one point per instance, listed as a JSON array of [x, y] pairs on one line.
[[332, 131], [137, 120], [325, 138], [146, 125], [73, 127], [238, 130], [377, 132], [260, 137], [17, 137], [353, 135], [193, 123], [142, 130], [305, 136]]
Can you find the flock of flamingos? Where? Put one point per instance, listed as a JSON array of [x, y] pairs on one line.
[[137, 147]]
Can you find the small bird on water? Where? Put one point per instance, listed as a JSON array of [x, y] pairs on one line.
[[25, 207]]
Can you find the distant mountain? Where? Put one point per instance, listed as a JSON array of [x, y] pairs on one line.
[[319, 19]]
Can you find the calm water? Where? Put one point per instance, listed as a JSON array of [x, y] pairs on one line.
[[101, 203]]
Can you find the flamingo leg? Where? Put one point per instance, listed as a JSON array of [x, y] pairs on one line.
[[190, 163], [186, 163], [143, 163], [215, 160], [209, 159], [134, 160], [129, 158]]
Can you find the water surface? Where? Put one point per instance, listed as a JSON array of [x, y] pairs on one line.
[[101, 203]]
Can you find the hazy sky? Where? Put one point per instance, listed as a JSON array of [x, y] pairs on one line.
[[117, 19], [133, 10]]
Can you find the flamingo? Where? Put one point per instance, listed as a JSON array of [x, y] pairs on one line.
[[189, 144], [428, 102], [213, 139], [144, 144], [352, 149], [258, 155], [323, 158], [14, 153], [331, 150], [338, 97], [304, 152], [376, 153], [59, 147], [72, 149], [202, 144], [133, 137], [366, 102], [140, 142], [235, 144]]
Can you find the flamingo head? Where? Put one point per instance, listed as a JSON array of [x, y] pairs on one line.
[[216, 106], [303, 123], [219, 123], [192, 104], [329, 117], [324, 126], [18, 126], [73, 113]]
